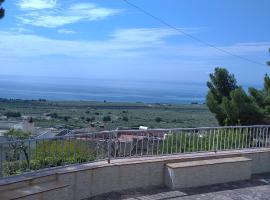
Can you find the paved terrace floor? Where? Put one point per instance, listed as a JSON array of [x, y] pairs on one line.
[[258, 188]]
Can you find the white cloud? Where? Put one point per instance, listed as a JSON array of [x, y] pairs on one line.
[[143, 35], [65, 31], [126, 43], [52, 18], [36, 4]]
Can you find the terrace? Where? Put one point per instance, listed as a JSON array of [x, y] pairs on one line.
[[117, 163]]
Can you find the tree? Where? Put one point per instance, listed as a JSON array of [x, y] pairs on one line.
[[221, 84], [2, 10], [242, 110], [262, 97], [17, 144], [230, 103]]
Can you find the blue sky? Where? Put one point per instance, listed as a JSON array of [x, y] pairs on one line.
[[108, 39]]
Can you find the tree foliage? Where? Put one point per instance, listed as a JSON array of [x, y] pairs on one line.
[[17, 144], [2, 10], [230, 103], [220, 86]]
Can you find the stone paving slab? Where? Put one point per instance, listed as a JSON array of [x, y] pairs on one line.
[[258, 188]]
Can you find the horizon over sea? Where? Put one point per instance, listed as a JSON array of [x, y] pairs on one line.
[[27, 88]]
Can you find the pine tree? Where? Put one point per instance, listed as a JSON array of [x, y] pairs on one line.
[[230, 103]]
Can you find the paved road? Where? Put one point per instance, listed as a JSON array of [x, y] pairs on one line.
[[256, 189]]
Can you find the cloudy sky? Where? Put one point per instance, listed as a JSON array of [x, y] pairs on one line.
[[109, 39]]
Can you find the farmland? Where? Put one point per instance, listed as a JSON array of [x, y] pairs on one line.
[[108, 115]]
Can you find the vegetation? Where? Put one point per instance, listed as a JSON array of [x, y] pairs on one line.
[[19, 147], [210, 141], [230, 103], [10, 114], [107, 118], [27, 156], [2, 10], [158, 119], [82, 114]]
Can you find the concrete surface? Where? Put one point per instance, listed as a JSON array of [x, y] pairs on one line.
[[206, 172], [258, 188]]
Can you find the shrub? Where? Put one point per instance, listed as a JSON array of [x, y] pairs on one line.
[[125, 118], [107, 118], [10, 114], [158, 119]]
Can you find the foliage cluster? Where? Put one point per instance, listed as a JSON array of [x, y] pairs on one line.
[[232, 105], [27, 155]]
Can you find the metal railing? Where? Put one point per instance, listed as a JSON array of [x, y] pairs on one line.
[[24, 156]]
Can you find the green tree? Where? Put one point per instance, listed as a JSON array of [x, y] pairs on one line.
[[221, 84], [17, 145], [262, 97], [2, 10], [230, 103]]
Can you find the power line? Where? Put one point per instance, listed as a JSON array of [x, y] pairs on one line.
[[191, 36]]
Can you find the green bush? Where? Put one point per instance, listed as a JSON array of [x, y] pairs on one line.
[[52, 154], [107, 118], [10, 114]]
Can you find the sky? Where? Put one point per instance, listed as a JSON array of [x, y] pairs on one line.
[[109, 39]]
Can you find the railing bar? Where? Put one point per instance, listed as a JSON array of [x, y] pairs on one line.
[[189, 141], [217, 139], [153, 138], [142, 145], [165, 137], [158, 143], [224, 139], [246, 138], [257, 136], [176, 142], [185, 142], [29, 155], [180, 141], [197, 136], [131, 147], [267, 136], [136, 150], [147, 144]]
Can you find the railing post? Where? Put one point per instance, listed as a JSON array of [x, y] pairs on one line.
[[109, 147]]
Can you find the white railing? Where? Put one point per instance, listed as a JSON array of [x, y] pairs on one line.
[[24, 156]]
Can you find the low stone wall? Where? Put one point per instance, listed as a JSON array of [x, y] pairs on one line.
[[87, 180]]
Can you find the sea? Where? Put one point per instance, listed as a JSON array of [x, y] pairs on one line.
[[84, 89]]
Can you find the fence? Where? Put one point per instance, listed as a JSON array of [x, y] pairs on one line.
[[24, 156]]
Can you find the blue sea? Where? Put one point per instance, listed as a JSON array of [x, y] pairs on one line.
[[22, 87]]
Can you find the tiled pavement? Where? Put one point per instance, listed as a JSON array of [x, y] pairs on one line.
[[256, 189]]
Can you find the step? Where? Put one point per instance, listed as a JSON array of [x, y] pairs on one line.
[[207, 172], [34, 189]]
